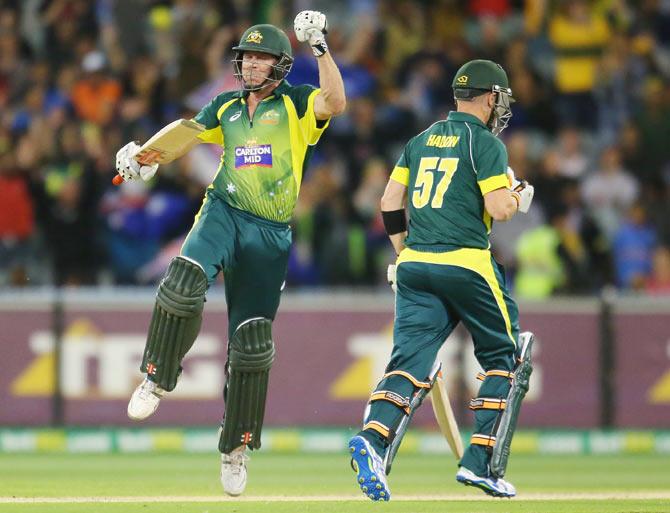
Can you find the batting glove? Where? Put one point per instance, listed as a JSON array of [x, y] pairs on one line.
[[129, 168], [524, 196], [522, 191], [312, 26], [390, 277], [513, 182]]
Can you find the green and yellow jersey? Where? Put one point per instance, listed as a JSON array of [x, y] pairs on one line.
[[263, 157], [448, 168]]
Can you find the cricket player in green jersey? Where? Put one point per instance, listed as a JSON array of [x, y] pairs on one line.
[[268, 130], [455, 181]]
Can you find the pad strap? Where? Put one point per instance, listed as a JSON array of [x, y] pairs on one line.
[[397, 433], [380, 428], [481, 439], [481, 376], [392, 397], [488, 403], [407, 375]]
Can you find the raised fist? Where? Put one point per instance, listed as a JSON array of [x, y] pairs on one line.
[[311, 26]]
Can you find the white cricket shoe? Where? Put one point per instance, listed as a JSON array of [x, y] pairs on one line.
[[234, 471], [496, 487], [144, 401]]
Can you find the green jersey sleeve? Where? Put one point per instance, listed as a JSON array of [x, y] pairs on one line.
[[210, 116], [490, 162], [302, 97]]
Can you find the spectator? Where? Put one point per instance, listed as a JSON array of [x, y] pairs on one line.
[[404, 24], [579, 34], [362, 140], [659, 281], [17, 221], [66, 194], [549, 183], [654, 126], [610, 191], [540, 271], [109, 71], [596, 244], [573, 161], [633, 248], [613, 90], [498, 8], [95, 96], [533, 109]]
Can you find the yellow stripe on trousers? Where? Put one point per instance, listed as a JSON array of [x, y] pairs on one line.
[[195, 220], [475, 260]]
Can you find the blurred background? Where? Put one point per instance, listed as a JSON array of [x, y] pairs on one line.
[[78, 79], [79, 258]]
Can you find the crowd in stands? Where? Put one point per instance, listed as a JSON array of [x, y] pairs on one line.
[[591, 131]]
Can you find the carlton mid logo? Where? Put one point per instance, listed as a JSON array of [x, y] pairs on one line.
[[254, 37], [256, 155], [462, 80]]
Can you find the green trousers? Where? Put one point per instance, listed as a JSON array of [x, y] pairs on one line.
[[435, 292], [252, 253]]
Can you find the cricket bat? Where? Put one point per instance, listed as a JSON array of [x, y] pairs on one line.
[[168, 144], [445, 416]]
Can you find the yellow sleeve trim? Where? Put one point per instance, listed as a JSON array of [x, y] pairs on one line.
[[215, 135], [212, 136], [493, 183], [309, 121], [298, 139], [400, 175]]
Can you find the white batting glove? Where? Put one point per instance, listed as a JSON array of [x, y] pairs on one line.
[[129, 168], [522, 191], [312, 26], [525, 196], [513, 182], [148, 172], [390, 277], [126, 166]]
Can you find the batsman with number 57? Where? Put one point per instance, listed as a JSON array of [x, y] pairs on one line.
[[455, 181], [268, 130]]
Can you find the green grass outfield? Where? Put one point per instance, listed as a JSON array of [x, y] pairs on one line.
[[282, 483]]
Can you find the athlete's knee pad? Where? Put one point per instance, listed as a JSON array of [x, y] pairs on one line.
[[250, 357], [406, 393], [175, 322]]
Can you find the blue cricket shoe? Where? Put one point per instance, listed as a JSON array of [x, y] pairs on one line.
[[369, 468]]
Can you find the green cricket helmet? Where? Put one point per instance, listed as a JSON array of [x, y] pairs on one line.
[[480, 76], [268, 39]]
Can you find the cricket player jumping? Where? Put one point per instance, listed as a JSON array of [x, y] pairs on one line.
[[268, 130], [455, 180]]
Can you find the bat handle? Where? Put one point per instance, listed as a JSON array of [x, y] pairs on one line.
[[117, 180]]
